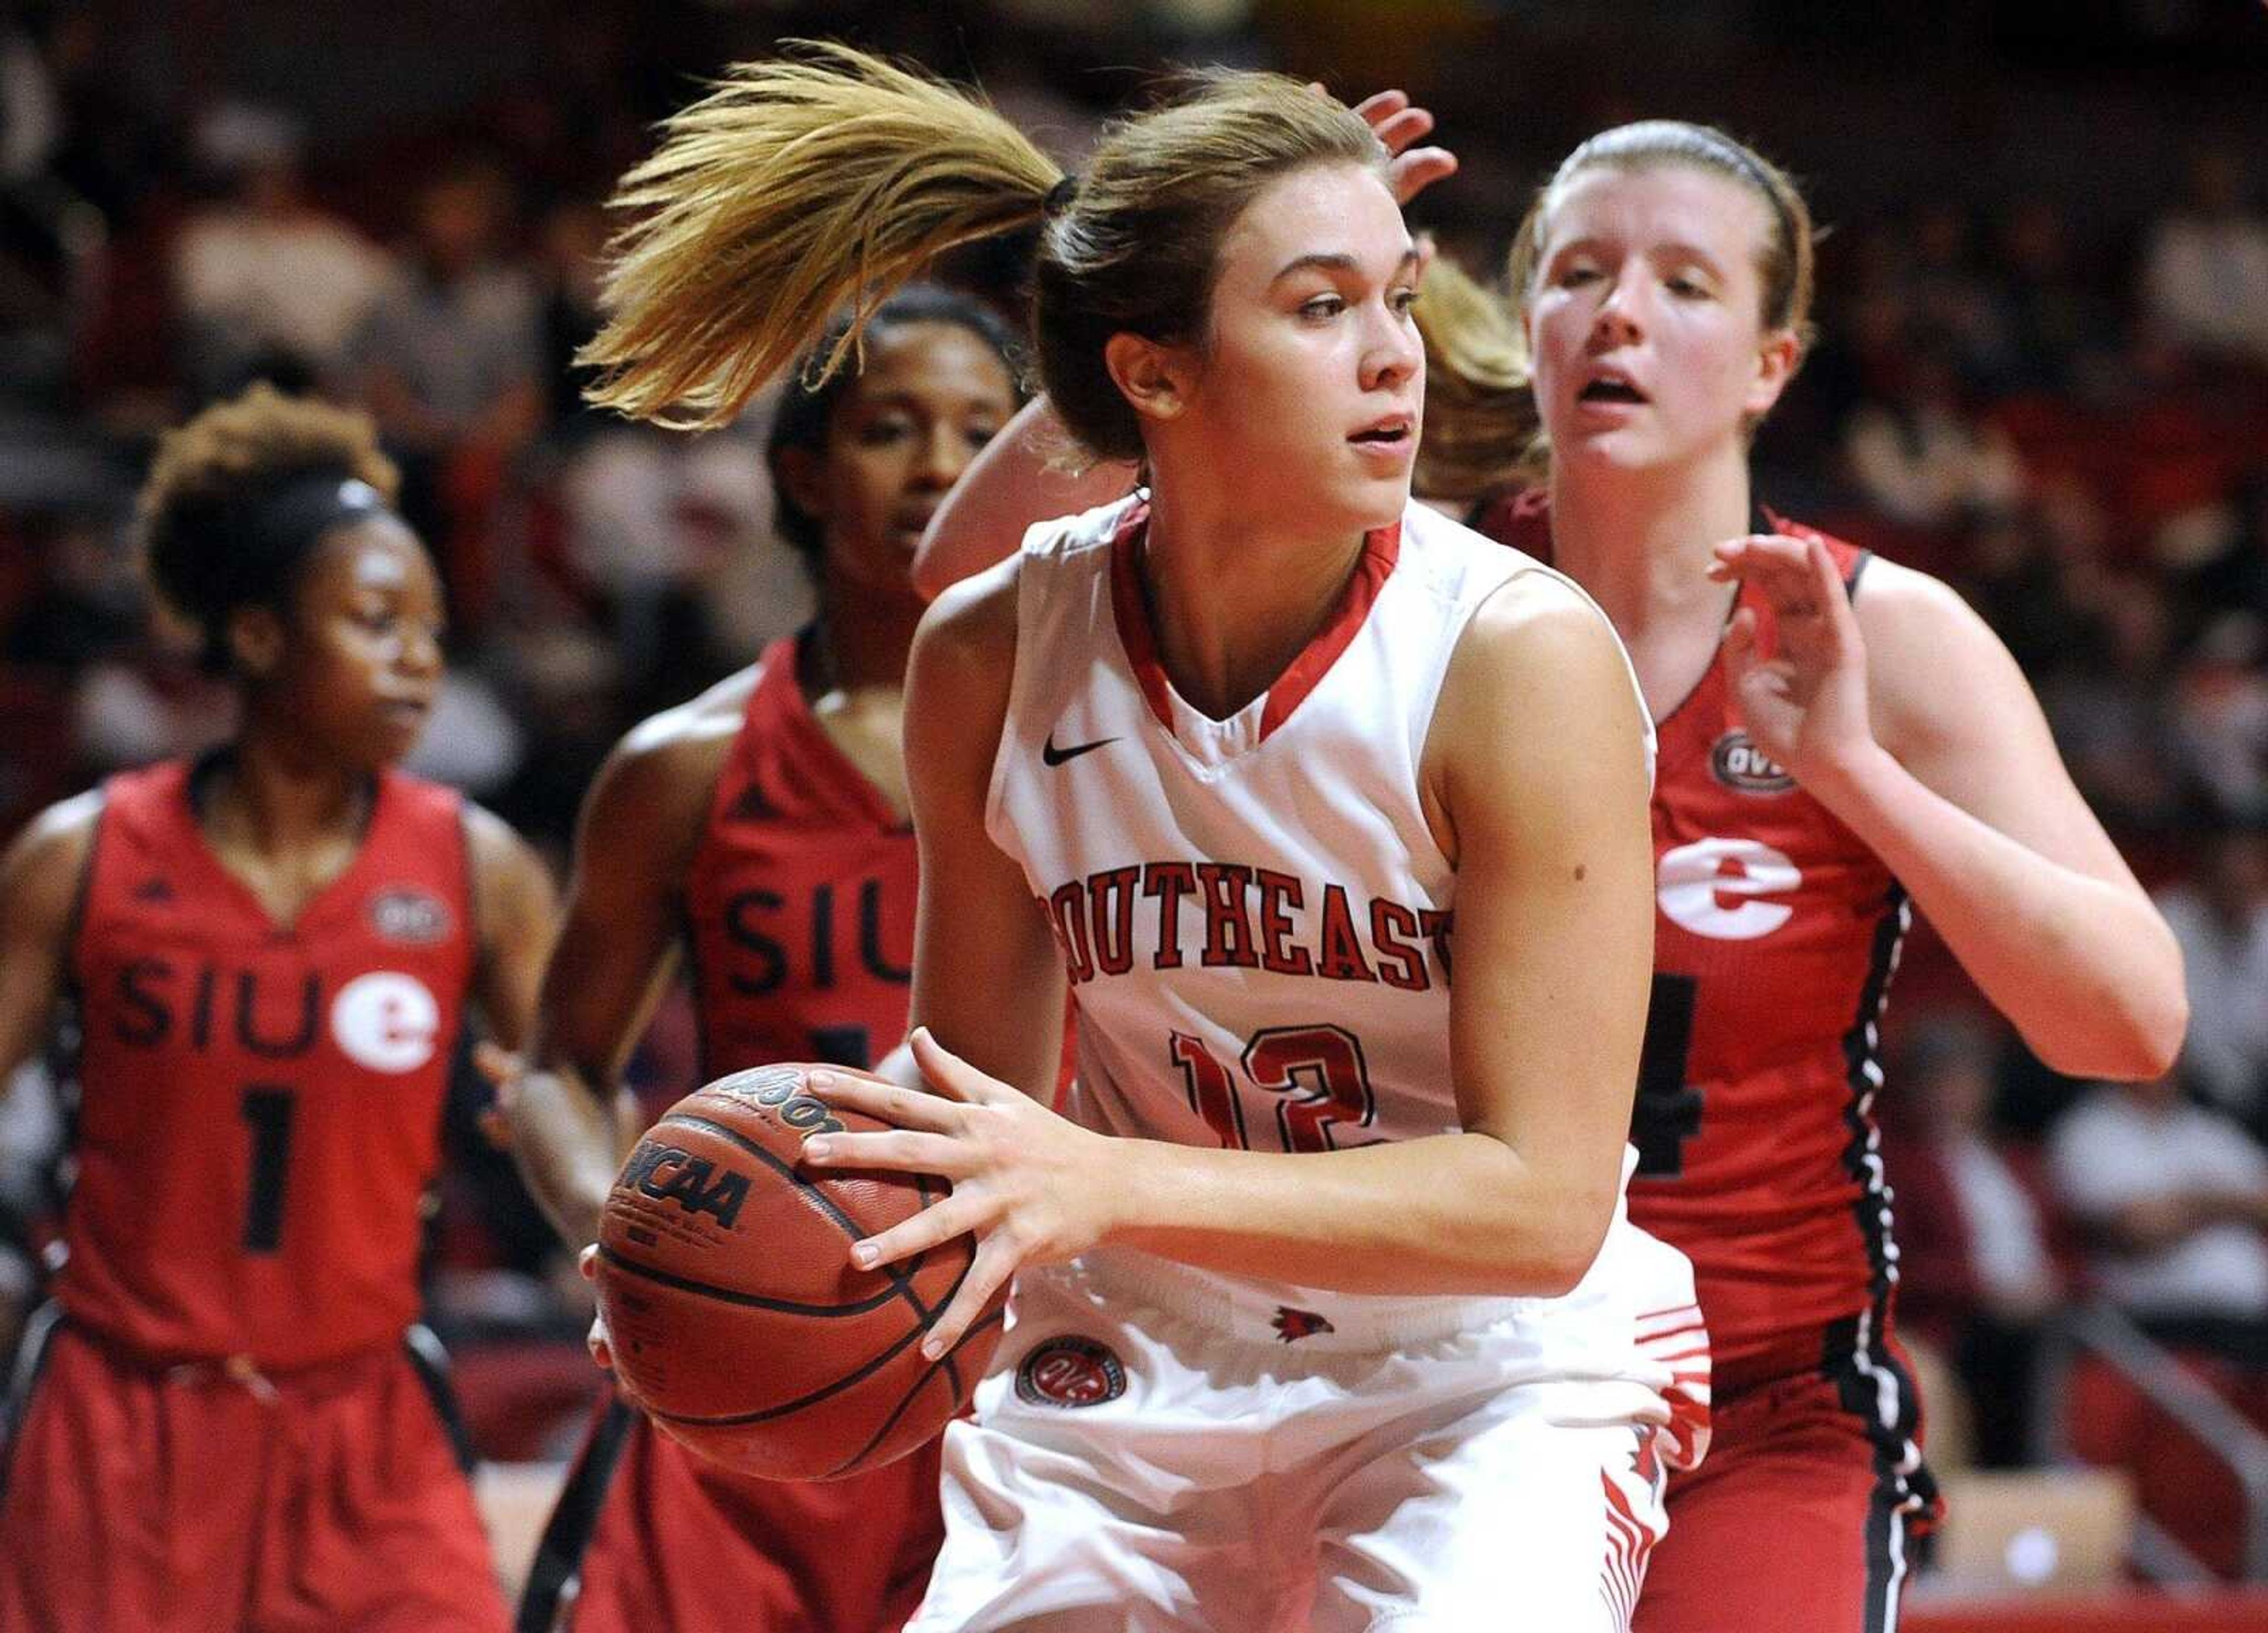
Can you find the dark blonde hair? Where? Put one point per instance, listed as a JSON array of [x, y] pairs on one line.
[[1480, 414], [832, 177], [209, 478]]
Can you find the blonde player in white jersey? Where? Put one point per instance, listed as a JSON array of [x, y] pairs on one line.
[[1326, 1313]]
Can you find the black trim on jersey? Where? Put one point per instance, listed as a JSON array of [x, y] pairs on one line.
[[1888, 1562], [1859, 565], [31, 1364], [1857, 1356], [430, 1362], [1904, 1491], [558, 1562], [1862, 1052]]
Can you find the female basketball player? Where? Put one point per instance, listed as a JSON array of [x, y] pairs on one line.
[[766, 824], [1848, 751], [1324, 1316], [230, 1422]]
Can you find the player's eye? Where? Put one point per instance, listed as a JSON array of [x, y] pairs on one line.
[[1321, 308]]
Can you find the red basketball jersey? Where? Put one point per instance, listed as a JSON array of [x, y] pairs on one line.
[[260, 1110], [800, 898], [1776, 932]]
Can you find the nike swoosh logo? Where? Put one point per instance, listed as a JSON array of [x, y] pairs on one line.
[[1052, 757]]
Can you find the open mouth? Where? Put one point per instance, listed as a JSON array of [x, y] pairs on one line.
[[1385, 436], [1606, 389]]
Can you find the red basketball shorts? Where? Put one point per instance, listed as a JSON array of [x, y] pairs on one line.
[[648, 1536], [331, 1501], [1803, 1517]]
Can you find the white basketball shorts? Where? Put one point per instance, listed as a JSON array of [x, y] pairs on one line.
[[1158, 1448]]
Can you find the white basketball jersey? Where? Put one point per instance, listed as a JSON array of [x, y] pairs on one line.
[[1258, 925]]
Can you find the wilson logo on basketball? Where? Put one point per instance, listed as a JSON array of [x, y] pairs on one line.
[[667, 1174], [1738, 763], [779, 1090], [409, 916], [1070, 1373]]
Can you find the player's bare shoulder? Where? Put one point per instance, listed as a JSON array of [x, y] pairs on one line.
[[965, 651], [1536, 634], [1930, 656], [42, 872], [42, 866], [654, 790]]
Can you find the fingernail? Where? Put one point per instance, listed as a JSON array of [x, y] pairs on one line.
[[819, 1080], [817, 1148], [863, 1253], [933, 1347]]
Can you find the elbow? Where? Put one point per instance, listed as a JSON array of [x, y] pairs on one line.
[[2160, 1035], [1562, 1250], [2138, 1039]]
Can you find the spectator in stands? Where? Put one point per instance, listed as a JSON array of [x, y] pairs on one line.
[[2174, 1198], [2205, 276], [2219, 915], [2110, 704], [1976, 1271], [2220, 716], [266, 284], [449, 364], [1923, 459], [2060, 332]]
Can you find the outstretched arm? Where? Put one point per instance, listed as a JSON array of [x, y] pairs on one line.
[[1906, 716]]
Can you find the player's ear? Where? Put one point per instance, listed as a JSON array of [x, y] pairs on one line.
[[1154, 378], [1777, 357], [798, 471], [255, 640]]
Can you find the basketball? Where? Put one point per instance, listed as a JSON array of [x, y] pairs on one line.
[[737, 1320]]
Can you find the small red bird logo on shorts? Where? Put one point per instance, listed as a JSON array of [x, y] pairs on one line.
[[1293, 1325]]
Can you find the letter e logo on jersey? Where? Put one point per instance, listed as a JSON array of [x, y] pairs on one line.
[[1712, 888], [386, 1021]]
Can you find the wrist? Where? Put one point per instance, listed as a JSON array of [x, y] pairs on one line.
[[1851, 779]]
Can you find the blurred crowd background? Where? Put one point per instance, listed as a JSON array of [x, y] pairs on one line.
[[2042, 372]]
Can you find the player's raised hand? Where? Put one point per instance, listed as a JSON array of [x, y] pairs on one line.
[[1802, 682], [1399, 124], [1033, 1187]]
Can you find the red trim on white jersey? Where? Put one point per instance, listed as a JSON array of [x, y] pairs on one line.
[[1382, 548]]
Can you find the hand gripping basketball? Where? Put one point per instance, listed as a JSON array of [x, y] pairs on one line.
[[1033, 1187]]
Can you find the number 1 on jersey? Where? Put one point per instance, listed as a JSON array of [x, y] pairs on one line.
[[269, 1110]]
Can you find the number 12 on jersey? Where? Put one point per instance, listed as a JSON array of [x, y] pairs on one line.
[[1313, 1077]]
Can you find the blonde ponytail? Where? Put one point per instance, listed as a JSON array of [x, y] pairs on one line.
[[796, 187], [1480, 416]]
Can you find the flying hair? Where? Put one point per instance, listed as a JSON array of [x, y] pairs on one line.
[[825, 181], [797, 187]]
